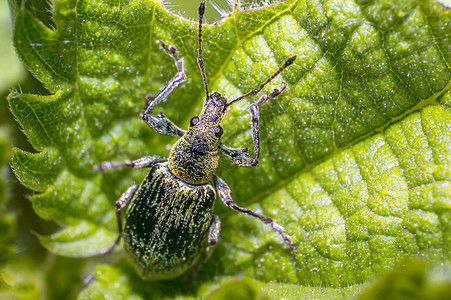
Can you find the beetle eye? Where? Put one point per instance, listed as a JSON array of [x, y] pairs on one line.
[[218, 131], [194, 121]]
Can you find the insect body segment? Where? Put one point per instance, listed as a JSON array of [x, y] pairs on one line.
[[195, 156], [166, 231], [170, 226]]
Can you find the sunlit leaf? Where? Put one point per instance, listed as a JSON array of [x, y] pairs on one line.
[[355, 155]]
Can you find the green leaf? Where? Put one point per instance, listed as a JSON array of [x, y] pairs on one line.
[[125, 286], [411, 281], [355, 155], [84, 239], [43, 165], [243, 289]]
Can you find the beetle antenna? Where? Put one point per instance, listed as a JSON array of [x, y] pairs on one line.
[[256, 91], [200, 61]]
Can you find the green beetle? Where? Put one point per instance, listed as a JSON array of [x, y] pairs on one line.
[[170, 226]]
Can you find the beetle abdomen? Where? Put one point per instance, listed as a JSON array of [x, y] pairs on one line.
[[167, 224]]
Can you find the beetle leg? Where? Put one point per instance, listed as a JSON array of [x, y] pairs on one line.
[[120, 204], [213, 235], [225, 195], [240, 156], [160, 123], [213, 238], [143, 162]]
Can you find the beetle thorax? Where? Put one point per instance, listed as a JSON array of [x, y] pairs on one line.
[[192, 163], [195, 156]]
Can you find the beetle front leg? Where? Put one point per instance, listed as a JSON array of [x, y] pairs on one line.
[[240, 156], [120, 204], [143, 162], [160, 123], [225, 194]]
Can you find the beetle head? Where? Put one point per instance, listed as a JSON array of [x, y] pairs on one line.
[[207, 126]]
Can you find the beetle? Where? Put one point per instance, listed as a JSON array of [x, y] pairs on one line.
[[170, 226]]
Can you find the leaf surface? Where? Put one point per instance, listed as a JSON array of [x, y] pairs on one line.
[[356, 154]]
